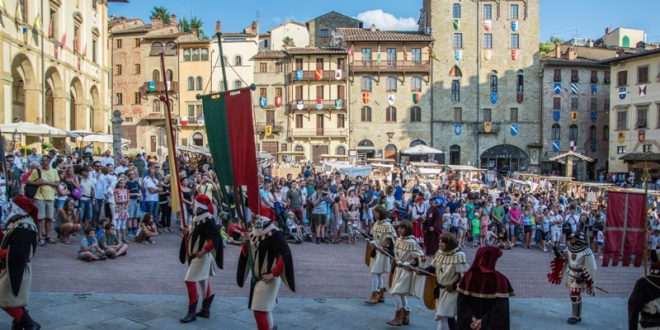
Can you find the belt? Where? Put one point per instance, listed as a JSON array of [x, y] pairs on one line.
[[576, 269]]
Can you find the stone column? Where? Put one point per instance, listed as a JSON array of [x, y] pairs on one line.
[[32, 101], [116, 133]]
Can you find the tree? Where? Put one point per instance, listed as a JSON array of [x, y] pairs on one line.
[[549, 46], [163, 13], [194, 24], [288, 42]]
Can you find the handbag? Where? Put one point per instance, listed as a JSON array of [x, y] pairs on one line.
[[30, 188]]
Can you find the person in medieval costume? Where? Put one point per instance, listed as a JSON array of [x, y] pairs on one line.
[[579, 262], [645, 298], [483, 294], [18, 246], [266, 254], [407, 255], [449, 264], [201, 246], [379, 250]]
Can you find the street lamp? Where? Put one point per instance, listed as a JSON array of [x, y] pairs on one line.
[[389, 136]]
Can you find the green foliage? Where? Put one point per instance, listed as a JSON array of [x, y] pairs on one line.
[[163, 13], [549, 46], [46, 145], [288, 42], [193, 24]]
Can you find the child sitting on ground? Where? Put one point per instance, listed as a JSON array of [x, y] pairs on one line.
[[89, 249], [110, 244], [147, 230], [295, 231]]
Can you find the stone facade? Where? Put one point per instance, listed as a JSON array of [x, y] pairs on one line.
[[507, 47], [194, 73], [52, 79], [322, 28]]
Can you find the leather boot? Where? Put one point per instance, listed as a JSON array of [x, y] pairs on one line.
[[28, 323], [192, 308], [398, 318], [373, 299], [205, 312], [381, 295], [577, 311], [405, 315]]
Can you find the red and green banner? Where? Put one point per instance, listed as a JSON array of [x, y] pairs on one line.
[[230, 131]]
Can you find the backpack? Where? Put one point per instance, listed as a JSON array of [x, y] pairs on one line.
[[31, 189]]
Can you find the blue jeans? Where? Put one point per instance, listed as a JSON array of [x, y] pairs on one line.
[[86, 209], [98, 211], [152, 207]]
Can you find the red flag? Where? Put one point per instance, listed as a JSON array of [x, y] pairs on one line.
[[351, 51], [63, 42], [624, 233], [319, 74]]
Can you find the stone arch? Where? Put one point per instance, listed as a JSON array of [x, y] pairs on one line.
[[95, 113], [25, 90], [55, 99], [76, 105]]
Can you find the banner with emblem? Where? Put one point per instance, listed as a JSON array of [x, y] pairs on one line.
[[593, 145], [299, 74], [300, 104], [556, 87], [594, 116], [319, 104], [339, 103], [623, 92], [514, 26], [391, 98], [488, 53], [488, 126], [594, 89], [555, 146], [268, 130], [514, 129], [263, 102], [457, 24], [339, 74], [318, 74], [183, 121], [278, 101], [575, 88], [641, 135], [493, 97], [458, 54], [520, 97], [514, 54], [621, 137], [556, 115], [642, 90], [365, 97], [458, 128], [488, 25], [416, 97], [574, 115]]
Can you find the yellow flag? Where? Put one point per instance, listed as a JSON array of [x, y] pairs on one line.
[[37, 22], [19, 14], [174, 175], [2, 5]]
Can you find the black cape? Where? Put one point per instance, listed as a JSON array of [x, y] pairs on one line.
[[494, 313], [21, 243], [646, 290], [202, 231]]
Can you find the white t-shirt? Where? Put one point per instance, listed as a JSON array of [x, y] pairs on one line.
[[148, 195]]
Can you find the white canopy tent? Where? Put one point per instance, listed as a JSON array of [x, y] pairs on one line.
[[421, 150], [33, 129]]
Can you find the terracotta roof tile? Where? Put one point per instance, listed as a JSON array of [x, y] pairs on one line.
[[269, 54], [354, 34], [315, 50]]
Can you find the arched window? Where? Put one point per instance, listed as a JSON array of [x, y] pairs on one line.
[[455, 72], [198, 139], [238, 61], [365, 143], [156, 106], [417, 142], [520, 81], [592, 133], [170, 75], [456, 90], [606, 133], [493, 82], [390, 152], [299, 148], [454, 155], [390, 114], [365, 115], [191, 83], [237, 84], [415, 114], [198, 83], [556, 132], [341, 151], [391, 84], [456, 10], [573, 133], [625, 42], [156, 48], [416, 84], [155, 76], [365, 84]]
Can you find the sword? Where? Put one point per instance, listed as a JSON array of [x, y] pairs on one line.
[[380, 249], [601, 289]]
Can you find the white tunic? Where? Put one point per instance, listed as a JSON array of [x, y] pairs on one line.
[[579, 263], [449, 267], [382, 232], [406, 250]]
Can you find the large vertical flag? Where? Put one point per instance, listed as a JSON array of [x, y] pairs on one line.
[[624, 233], [230, 130], [175, 191]]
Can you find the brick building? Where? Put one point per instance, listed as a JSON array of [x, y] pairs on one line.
[[322, 28]]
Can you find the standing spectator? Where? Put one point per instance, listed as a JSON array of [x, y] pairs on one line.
[[320, 202], [34, 157], [121, 208], [135, 196], [107, 159], [165, 206], [14, 172], [515, 215], [85, 203], [47, 179], [294, 199], [100, 188], [123, 167], [140, 165], [432, 228], [150, 184]]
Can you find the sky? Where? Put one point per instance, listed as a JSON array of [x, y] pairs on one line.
[[565, 19]]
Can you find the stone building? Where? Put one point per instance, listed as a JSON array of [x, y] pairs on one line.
[[238, 49], [194, 69], [55, 65], [623, 37], [322, 28], [295, 33], [389, 72], [576, 101], [486, 82], [635, 112]]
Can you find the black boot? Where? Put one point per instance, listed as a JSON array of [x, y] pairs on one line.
[[577, 310], [205, 312], [28, 323], [192, 308]]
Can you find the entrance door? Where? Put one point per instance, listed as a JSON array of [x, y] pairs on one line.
[[153, 143], [319, 125], [317, 151]]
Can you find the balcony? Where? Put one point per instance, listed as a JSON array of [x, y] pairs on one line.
[[159, 87], [194, 121], [310, 75], [318, 132], [391, 66], [276, 126], [339, 104]]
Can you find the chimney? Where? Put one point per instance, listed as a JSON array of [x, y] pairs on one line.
[[571, 54], [557, 50], [173, 19], [373, 28], [218, 26], [156, 22], [590, 43], [255, 27], [194, 32], [607, 30]]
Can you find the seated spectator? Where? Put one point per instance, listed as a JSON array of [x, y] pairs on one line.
[[110, 243], [100, 231], [65, 221], [89, 249], [295, 231], [147, 230]]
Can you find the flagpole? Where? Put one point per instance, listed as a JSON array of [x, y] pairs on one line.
[[222, 61]]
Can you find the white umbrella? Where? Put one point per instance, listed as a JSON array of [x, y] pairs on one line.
[[102, 138], [421, 150], [35, 129]]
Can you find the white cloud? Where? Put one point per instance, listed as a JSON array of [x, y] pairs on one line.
[[387, 21]]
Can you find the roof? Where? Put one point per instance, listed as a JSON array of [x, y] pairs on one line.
[[335, 13], [165, 36], [638, 157], [285, 23], [553, 61], [643, 53], [269, 54], [316, 50], [355, 34], [136, 29], [238, 34]]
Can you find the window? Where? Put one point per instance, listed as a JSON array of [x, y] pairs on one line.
[[455, 154], [76, 39], [520, 81], [514, 115], [594, 76], [606, 133], [340, 63], [557, 75], [238, 61], [137, 42], [594, 104], [263, 92], [456, 90], [493, 82], [341, 121], [391, 84], [574, 104], [416, 84], [52, 28], [456, 10], [415, 114], [319, 64], [237, 84], [487, 115], [270, 117], [199, 83], [205, 54], [283, 147], [556, 103], [137, 98], [416, 55], [94, 46], [191, 83], [458, 40], [647, 148], [137, 68], [622, 120], [263, 67], [488, 41], [573, 133], [366, 84], [458, 115], [606, 104], [278, 67], [642, 116], [187, 55], [191, 111], [299, 64], [625, 42], [156, 49], [170, 75], [575, 77], [390, 114], [391, 57], [365, 115], [515, 41], [366, 54], [320, 92], [455, 72], [117, 69], [622, 78], [299, 121], [299, 148], [341, 151], [513, 11], [642, 74], [606, 78], [155, 76], [592, 133], [325, 33], [278, 91], [23, 4], [488, 11], [621, 150], [556, 132], [119, 99], [156, 106], [119, 43]]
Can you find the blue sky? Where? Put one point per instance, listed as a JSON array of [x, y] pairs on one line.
[[562, 18]]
